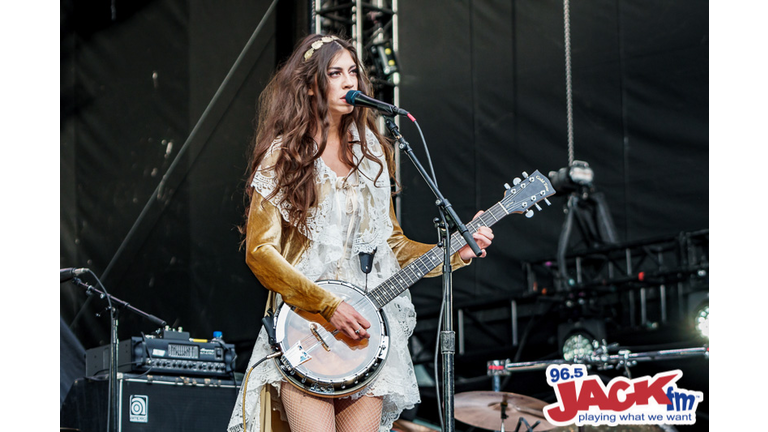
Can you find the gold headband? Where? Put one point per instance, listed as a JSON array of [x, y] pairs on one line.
[[317, 44]]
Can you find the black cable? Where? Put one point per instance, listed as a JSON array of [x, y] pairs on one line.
[[104, 290], [529, 327], [437, 349], [426, 150], [524, 339], [231, 362], [130, 363]]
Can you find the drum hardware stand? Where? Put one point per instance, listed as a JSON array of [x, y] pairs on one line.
[[504, 416], [496, 368], [601, 360], [447, 218], [520, 422], [114, 304]]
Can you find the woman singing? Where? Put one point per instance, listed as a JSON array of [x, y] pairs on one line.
[[320, 195]]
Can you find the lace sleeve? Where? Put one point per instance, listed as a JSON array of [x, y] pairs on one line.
[[265, 179]]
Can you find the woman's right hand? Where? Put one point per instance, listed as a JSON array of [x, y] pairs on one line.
[[347, 320]]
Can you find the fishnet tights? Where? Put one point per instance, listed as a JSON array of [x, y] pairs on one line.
[[308, 413]]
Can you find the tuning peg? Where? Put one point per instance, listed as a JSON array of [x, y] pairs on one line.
[[529, 214], [533, 200], [516, 181], [547, 201], [507, 186], [525, 174]]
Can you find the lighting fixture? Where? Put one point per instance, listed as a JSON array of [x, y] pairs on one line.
[[701, 320], [577, 346]]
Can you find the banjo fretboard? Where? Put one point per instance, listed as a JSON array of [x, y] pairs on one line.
[[518, 199]]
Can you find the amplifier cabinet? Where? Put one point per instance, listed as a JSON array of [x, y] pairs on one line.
[[151, 404]]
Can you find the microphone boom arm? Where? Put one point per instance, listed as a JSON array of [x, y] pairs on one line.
[[117, 303], [442, 202]]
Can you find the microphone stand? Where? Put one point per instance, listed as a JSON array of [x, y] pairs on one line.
[[113, 410], [447, 217]]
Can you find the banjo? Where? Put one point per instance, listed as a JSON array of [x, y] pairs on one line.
[[320, 360]]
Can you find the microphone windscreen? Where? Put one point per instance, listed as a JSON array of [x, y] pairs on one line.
[[350, 97]]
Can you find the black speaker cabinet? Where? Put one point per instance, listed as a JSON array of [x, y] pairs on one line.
[[151, 403]]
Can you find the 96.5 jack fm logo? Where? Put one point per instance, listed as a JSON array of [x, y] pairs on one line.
[[584, 400]]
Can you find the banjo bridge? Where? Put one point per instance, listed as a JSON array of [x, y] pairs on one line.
[[313, 329]]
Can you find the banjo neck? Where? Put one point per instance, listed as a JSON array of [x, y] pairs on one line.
[[518, 199], [413, 272]]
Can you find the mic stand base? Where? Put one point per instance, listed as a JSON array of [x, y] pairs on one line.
[[447, 344]]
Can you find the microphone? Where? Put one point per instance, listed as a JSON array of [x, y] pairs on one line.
[[70, 273], [357, 98], [366, 261]]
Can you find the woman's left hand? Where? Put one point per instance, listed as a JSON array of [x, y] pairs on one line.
[[483, 237]]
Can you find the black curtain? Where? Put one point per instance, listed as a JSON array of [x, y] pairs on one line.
[[486, 82], [139, 83]]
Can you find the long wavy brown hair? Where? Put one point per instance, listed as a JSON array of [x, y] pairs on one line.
[[287, 110]]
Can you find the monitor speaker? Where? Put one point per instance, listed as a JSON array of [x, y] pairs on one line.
[[151, 403]]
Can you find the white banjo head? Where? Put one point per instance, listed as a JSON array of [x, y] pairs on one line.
[[321, 361]]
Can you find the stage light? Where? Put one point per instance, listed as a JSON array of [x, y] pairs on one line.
[[578, 339], [384, 58], [570, 178], [578, 346], [701, 320]]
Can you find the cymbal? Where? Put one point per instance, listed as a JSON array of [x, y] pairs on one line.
[[483, 409]]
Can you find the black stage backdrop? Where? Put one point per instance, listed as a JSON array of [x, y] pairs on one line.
[[485, 80]]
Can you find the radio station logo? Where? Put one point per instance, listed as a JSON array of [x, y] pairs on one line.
[[139, 409], [584, 400]]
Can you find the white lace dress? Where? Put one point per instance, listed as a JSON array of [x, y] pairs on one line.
[[352, 217]]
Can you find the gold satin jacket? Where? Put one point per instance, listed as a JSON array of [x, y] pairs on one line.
[[274, 247]]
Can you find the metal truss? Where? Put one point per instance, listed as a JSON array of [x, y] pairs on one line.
[[373, 27], [634, 273], [636, 287]]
